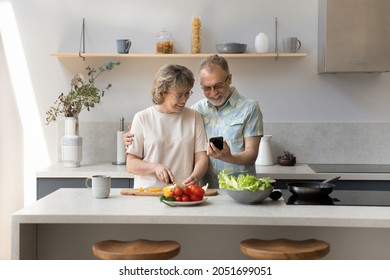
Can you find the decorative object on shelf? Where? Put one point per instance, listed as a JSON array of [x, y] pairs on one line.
[[261, 43], [164, 43], [123, 45], [196, 34], [82, 95], [287, 159], [230, 48], [265, 153], [276, 36], [291, 44], [82, 40]]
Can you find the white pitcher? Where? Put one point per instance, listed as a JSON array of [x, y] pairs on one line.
[[265, 152], [261, 43]]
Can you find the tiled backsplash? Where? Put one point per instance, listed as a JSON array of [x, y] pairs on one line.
[[310, 142], [332, 142]]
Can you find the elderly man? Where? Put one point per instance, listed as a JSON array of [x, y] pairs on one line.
[[228, 114]]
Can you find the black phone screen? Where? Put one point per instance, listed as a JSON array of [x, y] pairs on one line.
[[217, 141]]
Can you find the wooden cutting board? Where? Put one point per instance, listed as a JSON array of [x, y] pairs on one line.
[[209, 192]]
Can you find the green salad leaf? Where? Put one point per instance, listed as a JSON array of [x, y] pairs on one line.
[[244, 182]]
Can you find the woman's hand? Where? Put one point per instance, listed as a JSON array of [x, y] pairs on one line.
[[164, 174], [190, 181]]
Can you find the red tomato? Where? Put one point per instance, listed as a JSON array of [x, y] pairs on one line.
[[186, 191], [178, 191], [195, 189], [195, 197], [171, 194], [185, 198], [178, 198]]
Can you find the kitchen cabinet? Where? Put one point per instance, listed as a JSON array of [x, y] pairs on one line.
[[46, 186], [183, 55], [57, 176], [353, 36]]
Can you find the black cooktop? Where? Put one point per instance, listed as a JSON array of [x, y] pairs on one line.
[[350, 168], [342, 198]]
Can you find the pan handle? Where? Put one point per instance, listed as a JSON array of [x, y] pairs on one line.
[[331, 179]]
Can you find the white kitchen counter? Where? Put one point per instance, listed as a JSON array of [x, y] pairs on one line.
[[54, 218], [299, 171], [58, 170]]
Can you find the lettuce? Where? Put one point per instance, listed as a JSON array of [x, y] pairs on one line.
[[244, 182]]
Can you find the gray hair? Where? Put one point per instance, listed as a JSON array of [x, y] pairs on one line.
[[171, 76], [210, 62]]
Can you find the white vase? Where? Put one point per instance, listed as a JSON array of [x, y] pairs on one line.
[[71, 143], [265, 153], [261, 43]]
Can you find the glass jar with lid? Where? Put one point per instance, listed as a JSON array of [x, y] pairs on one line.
[[164, 43], [196, 34]]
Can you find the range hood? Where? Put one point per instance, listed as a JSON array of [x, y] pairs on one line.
[[354, 36]]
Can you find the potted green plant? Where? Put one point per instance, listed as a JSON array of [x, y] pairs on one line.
[[287, 159], [83, 94]]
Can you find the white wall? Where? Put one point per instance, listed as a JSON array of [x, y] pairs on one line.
[[11, 159], [288, 90]]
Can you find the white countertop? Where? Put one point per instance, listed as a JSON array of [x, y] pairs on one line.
[[59, 171], [76, 206], [299, 171]]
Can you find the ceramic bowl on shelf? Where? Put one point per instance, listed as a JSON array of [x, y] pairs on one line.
[[230, 48], [248, 197]]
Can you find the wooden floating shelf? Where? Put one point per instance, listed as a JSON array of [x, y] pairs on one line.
[[175, 55]]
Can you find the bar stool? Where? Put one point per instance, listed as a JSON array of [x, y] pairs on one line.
[[284, 249], [140, 249]]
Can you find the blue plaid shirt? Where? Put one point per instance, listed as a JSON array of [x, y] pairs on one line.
[[237, 119]]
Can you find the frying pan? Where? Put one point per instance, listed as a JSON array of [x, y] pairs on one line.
[[312, 190]]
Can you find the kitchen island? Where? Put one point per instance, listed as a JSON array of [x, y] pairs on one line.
[[65, 224], [56, 176]]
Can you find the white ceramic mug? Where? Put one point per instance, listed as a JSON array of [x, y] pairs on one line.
[[101, 186], [291, 45]]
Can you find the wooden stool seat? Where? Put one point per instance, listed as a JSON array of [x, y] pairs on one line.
[[284, 249], [140, 249]]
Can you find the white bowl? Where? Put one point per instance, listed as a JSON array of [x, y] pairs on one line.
[[248, 197]]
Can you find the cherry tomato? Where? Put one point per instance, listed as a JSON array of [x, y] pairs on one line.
[[171, 194], [186, 191], [178, 198], [178, 191], [185, 198]]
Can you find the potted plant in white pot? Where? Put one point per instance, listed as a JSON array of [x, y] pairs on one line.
[[287, 159], [83, 94]]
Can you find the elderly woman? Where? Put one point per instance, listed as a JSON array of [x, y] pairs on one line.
[[169, 142]]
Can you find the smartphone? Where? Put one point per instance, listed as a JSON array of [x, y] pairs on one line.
[[217, 141]]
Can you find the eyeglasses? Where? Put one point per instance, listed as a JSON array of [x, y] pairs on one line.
[[181, 96], [216, 86]]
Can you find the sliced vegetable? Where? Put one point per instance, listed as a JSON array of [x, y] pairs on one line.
[[141, 189], [244, 182], [163, 199]]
